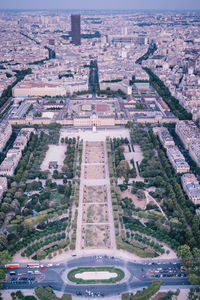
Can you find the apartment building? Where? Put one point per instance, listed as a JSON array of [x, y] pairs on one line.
[[10, 163], [24, 89], [13, 156], [5, 133], [115, 86], [194, 152], [188, 132], [23, 138], [165, 137], [177, 160], [192, 187], [3, 186]]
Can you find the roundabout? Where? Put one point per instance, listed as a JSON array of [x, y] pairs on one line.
[[95, 275], [102, 275]]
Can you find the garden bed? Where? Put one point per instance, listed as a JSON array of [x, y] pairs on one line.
[[100, 275]]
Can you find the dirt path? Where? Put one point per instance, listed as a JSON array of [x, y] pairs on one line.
[[150, 198], [95, 218]]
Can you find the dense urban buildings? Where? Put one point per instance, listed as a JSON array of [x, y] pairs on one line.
[[100, 153]]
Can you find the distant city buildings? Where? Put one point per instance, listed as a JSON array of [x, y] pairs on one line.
[[122, 85], [32, 89], [25, 89], [76, 29]]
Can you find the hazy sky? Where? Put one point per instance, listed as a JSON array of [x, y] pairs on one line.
[[100, 4]]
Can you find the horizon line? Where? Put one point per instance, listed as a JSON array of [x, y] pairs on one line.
[[99, 9]]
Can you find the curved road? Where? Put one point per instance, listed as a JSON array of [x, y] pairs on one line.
[[137, 275]]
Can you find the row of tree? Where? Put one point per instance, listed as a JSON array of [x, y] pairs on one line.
[[146, 293], [151, 229], [121, 165], [146, 241], [68, 167], [152, 48], [171, 101], [44, 293], [37, 246], [31, 234]]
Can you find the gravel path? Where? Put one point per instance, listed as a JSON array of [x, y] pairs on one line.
[[95, 182]]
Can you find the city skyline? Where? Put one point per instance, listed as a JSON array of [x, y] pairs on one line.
[[99, 150], [88, 4]]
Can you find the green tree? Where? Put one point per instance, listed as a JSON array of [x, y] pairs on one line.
[[5, 207], [123, 169], [2, 273], [129, 124], [41, 255], [184, 252], [196, 253], [140, 194], [193, 279], [5, 256], [3, 242]]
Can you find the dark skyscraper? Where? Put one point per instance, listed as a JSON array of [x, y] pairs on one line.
[[76, 29]]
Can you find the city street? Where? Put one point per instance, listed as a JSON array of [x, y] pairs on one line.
[[137, 274]]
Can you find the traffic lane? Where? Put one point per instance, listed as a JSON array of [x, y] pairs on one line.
[[24, 271], [52, 275], [107, 258], [172, 281], [106, 290], [93, 260], [110, 289], [136, 270], [133, 268]]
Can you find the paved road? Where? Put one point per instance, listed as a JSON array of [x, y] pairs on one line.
[[137, 275]]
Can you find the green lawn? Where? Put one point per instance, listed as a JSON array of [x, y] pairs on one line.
[[72, 273], [56, 197]]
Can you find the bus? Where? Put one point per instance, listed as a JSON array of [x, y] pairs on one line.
[[33, 266], [11, 266]]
